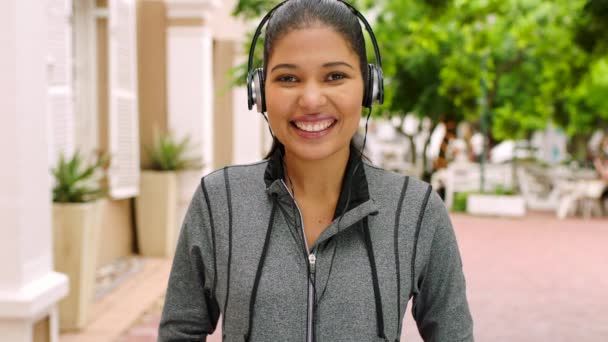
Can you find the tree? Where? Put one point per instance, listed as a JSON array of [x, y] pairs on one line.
[[540, 62], [587, 107], [530, 62], [415, 42]]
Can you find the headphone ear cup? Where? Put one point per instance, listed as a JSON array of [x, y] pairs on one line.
[[250, 90], [367, 91], [375, 86], [255, 90], [262, 84], [379, 94]]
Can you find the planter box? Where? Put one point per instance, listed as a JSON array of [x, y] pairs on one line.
[[76, 231], [160, 209], [156, 213], [496, 205]]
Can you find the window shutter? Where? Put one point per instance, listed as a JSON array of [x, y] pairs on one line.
[[60, 99], [123, 109]]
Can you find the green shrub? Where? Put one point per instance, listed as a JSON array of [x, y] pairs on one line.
[[501, 190], [169, 154], [460, 202], [76, 182]]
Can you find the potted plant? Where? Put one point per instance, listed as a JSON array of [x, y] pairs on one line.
[[165, 191], [501, 202], [77, 205]]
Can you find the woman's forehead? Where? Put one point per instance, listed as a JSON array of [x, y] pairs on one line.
[[317, 45]]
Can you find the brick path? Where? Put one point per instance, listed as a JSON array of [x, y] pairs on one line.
[[531, 279]]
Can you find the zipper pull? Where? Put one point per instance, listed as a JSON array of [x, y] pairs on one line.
[[312, 259]]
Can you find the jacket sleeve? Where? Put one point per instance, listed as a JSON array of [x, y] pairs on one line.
[[440, 305], [190, 312]]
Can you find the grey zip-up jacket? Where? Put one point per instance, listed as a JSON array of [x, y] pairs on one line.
[[242, 253]]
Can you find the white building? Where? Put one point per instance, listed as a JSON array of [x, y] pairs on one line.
[[103, 75]]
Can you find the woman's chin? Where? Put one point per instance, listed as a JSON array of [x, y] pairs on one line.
[[315, 153]]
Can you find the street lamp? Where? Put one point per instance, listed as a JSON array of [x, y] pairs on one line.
[[483, 103]]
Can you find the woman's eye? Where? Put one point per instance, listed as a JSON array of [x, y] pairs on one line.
[[336, 76], [286, 79]]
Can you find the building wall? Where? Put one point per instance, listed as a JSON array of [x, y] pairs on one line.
[[250, 138], [238, 133], [227, 27], [223, 61], [117, 230], [85, 72], [152, 61]]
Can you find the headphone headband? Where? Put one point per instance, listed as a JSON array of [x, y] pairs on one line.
[[374, 84], [258, 31]]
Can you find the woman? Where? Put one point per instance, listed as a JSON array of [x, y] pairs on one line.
[[601, 166], [313, 244]]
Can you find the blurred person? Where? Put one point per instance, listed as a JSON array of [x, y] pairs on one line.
[[601, 166], [313, 243]]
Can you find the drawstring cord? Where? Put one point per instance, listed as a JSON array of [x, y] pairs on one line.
[[258, 274], [370, 254], [372, 263], [211, 224], [397, 262], [229, 199]]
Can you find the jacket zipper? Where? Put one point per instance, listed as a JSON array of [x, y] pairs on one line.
[[312, 259]]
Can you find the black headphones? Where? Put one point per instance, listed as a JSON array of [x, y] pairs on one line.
[[374, 84]]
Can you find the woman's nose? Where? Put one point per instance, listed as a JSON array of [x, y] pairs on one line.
[[312, 96]]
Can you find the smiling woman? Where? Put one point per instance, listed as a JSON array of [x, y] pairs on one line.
[[314, 94], [313, 243]]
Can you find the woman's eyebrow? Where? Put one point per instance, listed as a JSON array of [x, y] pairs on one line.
[[326, 65], [283, 65], [334, 64]]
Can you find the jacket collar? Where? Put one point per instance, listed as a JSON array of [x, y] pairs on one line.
[[354, 178]]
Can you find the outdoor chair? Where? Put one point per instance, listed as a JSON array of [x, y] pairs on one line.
[[584, 195], [538, 195]]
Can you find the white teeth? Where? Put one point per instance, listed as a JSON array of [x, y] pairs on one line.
[[316, 127]]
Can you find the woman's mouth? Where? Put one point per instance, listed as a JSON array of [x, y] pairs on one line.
[[317, 126]]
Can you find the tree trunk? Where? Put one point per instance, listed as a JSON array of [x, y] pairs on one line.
[[426, 174], [410, 138], [578, 147], [413, 156]]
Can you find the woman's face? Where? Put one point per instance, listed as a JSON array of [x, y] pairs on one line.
[[314, 91]]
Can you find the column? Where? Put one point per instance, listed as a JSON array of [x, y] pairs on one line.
[[190, 92], [29, 289]]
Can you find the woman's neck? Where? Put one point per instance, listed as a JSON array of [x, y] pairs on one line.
[[319, 179]]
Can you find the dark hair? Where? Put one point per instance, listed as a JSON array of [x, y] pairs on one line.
[[300, 14]]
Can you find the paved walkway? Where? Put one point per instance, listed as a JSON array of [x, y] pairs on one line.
[[532, 279], [120, 309]]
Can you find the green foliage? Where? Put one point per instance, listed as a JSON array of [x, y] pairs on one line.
[[531, 62], [521, 50], [460, 202], [169, 154], [76, 182], [587, 108], [252, 9], [460, 198], [500, 190], [592, 27]]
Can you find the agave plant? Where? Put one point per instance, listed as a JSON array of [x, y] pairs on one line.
[[76, 182], [170, 154]]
